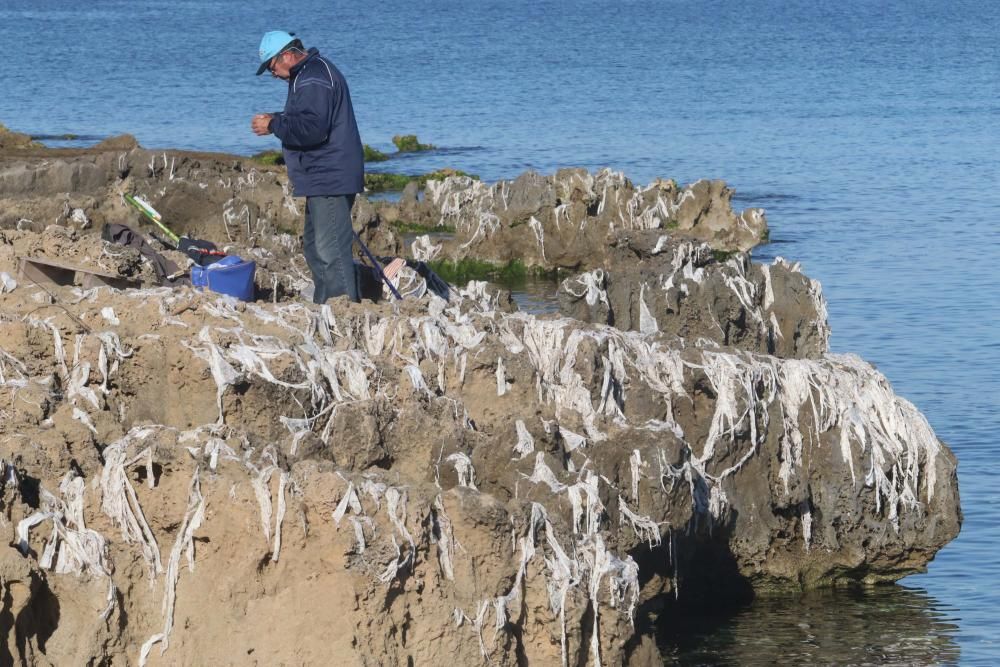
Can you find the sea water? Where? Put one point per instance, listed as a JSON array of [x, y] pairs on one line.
[[868, 130]]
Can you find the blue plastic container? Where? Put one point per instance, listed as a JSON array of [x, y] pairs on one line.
[[230, 275]]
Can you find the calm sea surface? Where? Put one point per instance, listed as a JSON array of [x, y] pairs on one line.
[[867, 129]]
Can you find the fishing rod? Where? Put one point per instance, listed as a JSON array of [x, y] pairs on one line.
[[153, 216], [184, 244]]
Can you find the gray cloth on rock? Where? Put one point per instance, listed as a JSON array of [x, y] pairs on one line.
[[125, 235]]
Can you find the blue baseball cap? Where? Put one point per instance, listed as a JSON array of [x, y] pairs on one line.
[[271, 44]]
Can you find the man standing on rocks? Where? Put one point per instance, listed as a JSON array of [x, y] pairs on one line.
[[323, 153]]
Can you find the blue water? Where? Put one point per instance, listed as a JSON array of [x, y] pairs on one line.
[[867, 129]]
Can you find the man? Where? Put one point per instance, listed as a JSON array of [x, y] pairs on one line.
[[322, 148]]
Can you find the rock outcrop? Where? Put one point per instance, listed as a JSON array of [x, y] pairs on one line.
[[657, 282], [192, 480], [563, 221], [226, 198], [10, 140]]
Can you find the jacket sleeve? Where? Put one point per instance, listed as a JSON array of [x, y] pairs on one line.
[[306, 120]]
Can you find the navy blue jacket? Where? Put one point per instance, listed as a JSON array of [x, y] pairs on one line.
[[319, 135]]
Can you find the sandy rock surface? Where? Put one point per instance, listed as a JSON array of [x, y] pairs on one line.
[[189, 479]]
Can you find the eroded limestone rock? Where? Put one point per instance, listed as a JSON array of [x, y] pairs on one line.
[[423, 481], [486, 485], [563, 220], [657, 282]]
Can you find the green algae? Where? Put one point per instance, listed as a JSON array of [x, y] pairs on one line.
[[385, 182], [269, 158], [374, 154], [391, 182], [408, 143], [513, 272], [415, 228]]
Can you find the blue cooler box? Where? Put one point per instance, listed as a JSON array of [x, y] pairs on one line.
[[230, 275]]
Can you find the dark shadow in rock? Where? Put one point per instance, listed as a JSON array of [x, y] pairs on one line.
[[122, 614], [711, 589], [39, 618], [140, 473], [397, 586], [586, 635], [516, 629], [30, 488], [6, 625]]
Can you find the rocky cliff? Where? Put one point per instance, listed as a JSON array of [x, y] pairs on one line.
[[192, 480]]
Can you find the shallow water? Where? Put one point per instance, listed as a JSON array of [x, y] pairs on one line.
[[534, 295], [867, 130], [884, 625]]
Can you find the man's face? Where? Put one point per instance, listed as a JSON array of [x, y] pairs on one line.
[[281, 65]]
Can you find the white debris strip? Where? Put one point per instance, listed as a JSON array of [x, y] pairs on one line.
[[423, 249], [77, 391], [805, 516], [57, 343], [636, 465], [261, 482], [279, 519], [535, 226], [262, 490], [661, 243], [350, 501], [503, 386], [359, 523], [647, 323], [525, 442], [837, 392], [590, 286], [184, 544], [623, 582], [585, 499], [12, 370], [768, 288], [7, 283], [72, 548], [108, 313], [464, 469], [571, 441], [396, 507], [110, 356], [84, 419], [542, 474], [120, 502], [553, 356], [222, 372], [417, 380], [444, 536], [645, 528], [587, 569]]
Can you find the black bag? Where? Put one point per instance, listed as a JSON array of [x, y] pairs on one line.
[[202, 252], [434, 282], [369, 282]]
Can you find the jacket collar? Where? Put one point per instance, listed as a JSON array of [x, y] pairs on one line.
[[311, 53]]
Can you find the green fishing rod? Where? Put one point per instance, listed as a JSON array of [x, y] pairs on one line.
[[153, 216]]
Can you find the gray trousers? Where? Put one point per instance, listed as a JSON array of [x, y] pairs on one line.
[[327, 244]]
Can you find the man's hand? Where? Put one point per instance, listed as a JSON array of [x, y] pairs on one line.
[[260, 123]]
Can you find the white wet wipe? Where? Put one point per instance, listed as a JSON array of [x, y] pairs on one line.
[[7, 283]]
